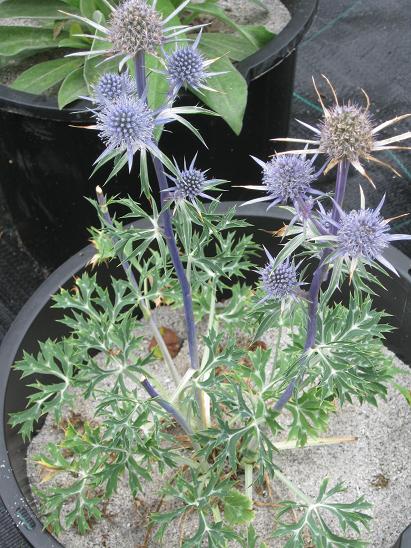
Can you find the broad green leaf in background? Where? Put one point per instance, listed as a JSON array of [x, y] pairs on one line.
[[236, 47], [43, 9], [14, 59], [260, 34], [14, 40], [87, 8], [214, 10], [233, 46], [45, 75], [72, 88], [230, 96]]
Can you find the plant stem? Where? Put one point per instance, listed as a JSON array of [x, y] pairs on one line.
[[314, 291], [341, 184], [144, 309], [315, 442], [278, 342], [140, 69], [248, 480], [204, 399], [303, 497], [178, 265], [168, 229], [167, 407]]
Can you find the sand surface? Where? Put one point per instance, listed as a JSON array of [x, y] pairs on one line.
[[377, 465]]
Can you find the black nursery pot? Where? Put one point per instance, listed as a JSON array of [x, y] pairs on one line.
[[45, 164], [37, 321]]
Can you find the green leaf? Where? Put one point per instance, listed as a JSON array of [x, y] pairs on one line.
[[45, 75], [72, 87], [235, 47], [350, 516], [238, 508], [209, 8], [404, 391], [40, 9], [14, 40], [87, 8], [260, 34], [230, 96]]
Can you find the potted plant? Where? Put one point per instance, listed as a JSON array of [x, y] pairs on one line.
[[44, 158], [193, 433]]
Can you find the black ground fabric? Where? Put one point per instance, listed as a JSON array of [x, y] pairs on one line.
[[356, 44]]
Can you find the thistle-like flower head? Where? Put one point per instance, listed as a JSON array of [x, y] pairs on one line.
[[288, 177], [279, 281], [285, 178], [135, 26], [191, 183], [126, 125], [347, 133], [362, 235], [111, 87], [187, 67]]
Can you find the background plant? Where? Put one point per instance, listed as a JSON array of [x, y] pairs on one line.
[[57, 34], [229, 402]]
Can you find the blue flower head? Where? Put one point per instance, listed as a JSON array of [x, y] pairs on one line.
[[186, 66], [191, 183], [126, 125], [285, 178], [362, 235], [279, 282], [113, 86], [288, 177]]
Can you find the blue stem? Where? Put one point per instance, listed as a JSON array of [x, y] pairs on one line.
[[314, 291], [169, 233], [140, 68], [151, 391], [178, 265]]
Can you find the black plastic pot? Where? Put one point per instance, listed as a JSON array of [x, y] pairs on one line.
[[45, 164], [37, 321]]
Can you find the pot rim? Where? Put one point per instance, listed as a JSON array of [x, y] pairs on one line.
[[13, 498], [253, 67]]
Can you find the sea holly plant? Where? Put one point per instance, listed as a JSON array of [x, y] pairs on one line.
[[266, 365], [74, 27]]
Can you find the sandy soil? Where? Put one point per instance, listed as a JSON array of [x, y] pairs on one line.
[[377, 465]]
